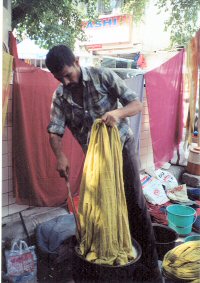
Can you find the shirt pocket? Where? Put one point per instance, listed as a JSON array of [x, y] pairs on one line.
[[100, 102]]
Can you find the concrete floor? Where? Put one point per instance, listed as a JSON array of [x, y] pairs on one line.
[[48, 270]]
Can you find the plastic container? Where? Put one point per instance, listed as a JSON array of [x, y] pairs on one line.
[[181, 218], [85, 271], [165, 239], [192, 238]]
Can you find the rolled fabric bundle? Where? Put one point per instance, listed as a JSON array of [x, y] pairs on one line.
[[183, 262]]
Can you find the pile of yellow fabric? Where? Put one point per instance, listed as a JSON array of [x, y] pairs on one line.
[[183, 262], [105, 234]]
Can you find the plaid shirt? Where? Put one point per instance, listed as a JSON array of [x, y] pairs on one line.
[[103, 91]]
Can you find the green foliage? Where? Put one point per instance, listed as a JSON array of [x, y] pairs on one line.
[[51, 22], [136, 8], [184, 19]]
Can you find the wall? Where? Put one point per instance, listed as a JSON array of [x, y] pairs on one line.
[[156, 59], [146, 151], [8, 201], [6, 20]]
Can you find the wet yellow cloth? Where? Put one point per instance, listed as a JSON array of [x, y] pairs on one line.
[[105, 235], [183, 262]]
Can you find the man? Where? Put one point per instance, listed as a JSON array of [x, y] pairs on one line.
[[84, 95]]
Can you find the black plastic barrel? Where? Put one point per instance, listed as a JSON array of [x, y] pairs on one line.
[[165, 239], [85, 271]]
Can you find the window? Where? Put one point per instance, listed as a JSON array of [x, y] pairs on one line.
[[109, 8]]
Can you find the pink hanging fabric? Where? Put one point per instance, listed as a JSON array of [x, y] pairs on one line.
[[165, 104]]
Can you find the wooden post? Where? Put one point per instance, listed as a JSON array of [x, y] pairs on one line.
[[193, 165], [199, 112]]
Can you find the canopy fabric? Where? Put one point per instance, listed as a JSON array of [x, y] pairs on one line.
[[136, 83], [165, 104], [105, 234], [36, 181]]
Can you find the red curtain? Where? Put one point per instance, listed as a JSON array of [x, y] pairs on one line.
[[165, 104], [13, 45], [36, 181]]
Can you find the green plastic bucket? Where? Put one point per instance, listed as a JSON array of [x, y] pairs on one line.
[[181, 218]]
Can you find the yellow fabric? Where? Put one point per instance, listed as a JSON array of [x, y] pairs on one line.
[[183, 262], [7, 72], [105, 235]]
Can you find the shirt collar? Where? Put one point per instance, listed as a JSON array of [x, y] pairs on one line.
[[85, 76]]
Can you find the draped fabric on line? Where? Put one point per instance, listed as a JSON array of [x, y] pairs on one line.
[[192, 65], [6, 89], [136, 83], [105, 235], [165, 105], [36, 181]]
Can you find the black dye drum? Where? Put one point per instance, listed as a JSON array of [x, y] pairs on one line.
[[85, 271]]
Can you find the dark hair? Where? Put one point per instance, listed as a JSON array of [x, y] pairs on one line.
[[59, 56]]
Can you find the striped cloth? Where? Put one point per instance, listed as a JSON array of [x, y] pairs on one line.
[[105, 235]]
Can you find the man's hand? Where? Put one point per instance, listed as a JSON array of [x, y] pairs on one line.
[[62, 161], [63, 166], [110, 118]]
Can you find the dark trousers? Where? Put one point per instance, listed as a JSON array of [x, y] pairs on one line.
[[139, 218]]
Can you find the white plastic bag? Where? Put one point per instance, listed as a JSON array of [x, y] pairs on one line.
[[21, 263], [166, 179], [178, 194], [153, 190]]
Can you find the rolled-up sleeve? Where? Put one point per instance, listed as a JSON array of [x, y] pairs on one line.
[[118, 88], [57, 117]]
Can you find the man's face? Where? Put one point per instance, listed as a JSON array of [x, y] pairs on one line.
[[69, 75]]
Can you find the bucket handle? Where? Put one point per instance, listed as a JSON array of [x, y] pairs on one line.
[[195, 218]]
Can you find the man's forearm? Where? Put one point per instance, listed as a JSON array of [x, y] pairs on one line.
[[63, 166], [111, 118], [56, 144], [131, 109]]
